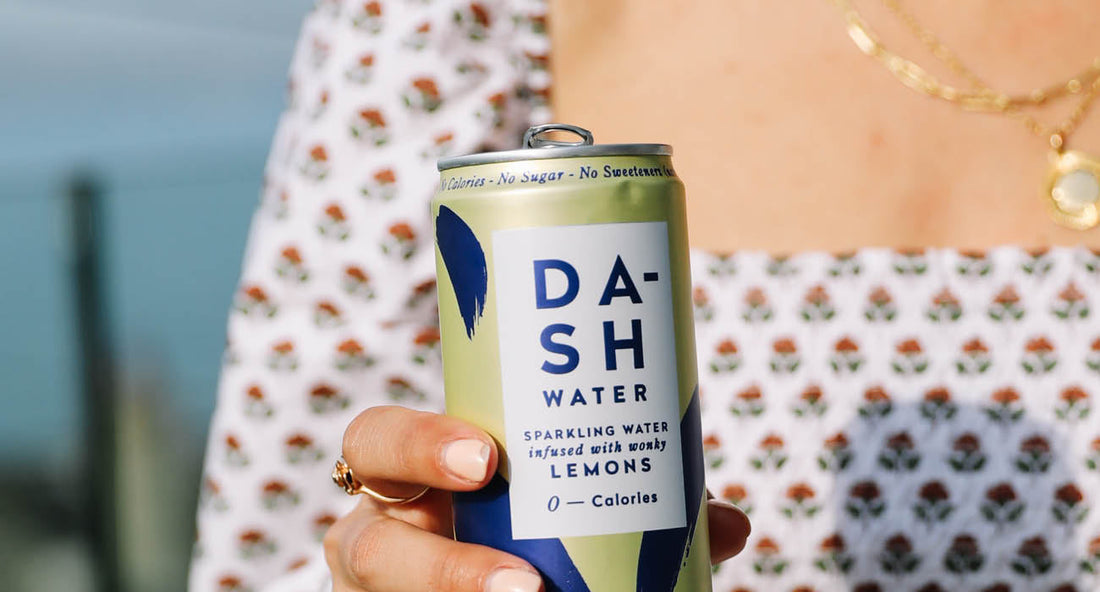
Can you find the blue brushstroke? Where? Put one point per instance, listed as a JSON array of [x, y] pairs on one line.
[[484, 517], [663, 551], [465, 262]]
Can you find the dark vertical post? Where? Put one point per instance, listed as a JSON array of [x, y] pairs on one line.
[[97, 381]]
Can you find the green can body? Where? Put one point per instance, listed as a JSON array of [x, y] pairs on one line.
[[567, 334]]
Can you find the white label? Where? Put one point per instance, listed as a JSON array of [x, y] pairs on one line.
[[588, 366]]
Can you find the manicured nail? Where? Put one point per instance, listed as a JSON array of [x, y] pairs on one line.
[[468, 459], [514, 580], [728, 509]]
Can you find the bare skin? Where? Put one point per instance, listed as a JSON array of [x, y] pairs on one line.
[[789, 139]]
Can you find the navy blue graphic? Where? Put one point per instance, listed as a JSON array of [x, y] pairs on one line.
[[484, 517], [465, 261], [663, 551]]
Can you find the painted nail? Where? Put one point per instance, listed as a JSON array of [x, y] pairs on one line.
[[514, 580], [467, 459]]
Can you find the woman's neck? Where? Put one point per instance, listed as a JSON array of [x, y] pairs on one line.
[[789, 139]]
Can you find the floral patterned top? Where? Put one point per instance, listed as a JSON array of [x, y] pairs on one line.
[[918, 420]]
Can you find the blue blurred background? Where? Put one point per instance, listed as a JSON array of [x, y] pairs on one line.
[[164, 112]]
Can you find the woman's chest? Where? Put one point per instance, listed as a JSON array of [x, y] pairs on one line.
[[790, 139]]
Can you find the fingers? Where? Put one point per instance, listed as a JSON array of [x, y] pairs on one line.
[[389, 448], [371, 551], [729, 530]]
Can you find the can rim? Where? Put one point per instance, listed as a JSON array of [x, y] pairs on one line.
[[551, 152]]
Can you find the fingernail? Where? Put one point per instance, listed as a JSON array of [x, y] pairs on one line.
[[514, 580], [727, 508], [468, 459]]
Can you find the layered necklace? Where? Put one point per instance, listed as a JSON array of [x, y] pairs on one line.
[[1071, 188]]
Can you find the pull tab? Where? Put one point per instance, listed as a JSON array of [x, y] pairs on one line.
[[532, 139]]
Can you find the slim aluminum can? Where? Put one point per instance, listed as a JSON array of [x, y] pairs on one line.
[[567, 334]]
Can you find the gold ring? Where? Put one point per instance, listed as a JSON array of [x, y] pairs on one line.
[[342, 476]]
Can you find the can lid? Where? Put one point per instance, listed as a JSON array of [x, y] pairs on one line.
[[537, 147]]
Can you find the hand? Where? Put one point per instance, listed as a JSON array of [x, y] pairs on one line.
[[382, 547]]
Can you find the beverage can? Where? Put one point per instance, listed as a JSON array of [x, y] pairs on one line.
[[567, 334]]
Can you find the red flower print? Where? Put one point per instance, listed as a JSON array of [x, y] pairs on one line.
[[1006, 396], [254, 543], [784, 346], [321, 524], [1035, 444], [1069, 493], [427, 336], [750, 394], [1039, 345], [879, 296], [909, 346], [734, 493], [444, 138], [1071, 293], [256, 293], [875, 394], [356, 273], [817, 295], [480, 14], [865, 490], [838, 441], [767, 546], [945, 298], [771, 442], [934, 491], [975, 346], [402, 231], [350, 346], [938, 395], [699, 296], [833, 543], [426, 86], [385, 176], [967, 442], [291, 265], [292, 255], [846, 345], [800, 492], [334, 212], [373, 117]]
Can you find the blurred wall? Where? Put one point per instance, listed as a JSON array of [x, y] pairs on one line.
[[170, 106]]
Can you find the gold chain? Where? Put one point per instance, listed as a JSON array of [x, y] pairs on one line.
[[982, 97]]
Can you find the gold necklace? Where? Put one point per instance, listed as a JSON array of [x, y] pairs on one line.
[[1071, 189]]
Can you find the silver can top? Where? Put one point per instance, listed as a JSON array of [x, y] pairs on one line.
[[537, 147]]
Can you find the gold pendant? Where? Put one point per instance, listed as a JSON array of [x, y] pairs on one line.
[[1072, 189]]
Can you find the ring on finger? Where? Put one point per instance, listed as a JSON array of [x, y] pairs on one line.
[[342, 476]]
